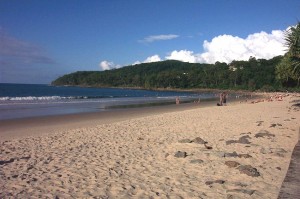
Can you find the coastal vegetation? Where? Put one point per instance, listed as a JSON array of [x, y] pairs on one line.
[[289, 67], [277, 74]]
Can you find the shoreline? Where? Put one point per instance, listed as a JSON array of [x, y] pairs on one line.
[[35, 126], [241, 150], [40, 125]]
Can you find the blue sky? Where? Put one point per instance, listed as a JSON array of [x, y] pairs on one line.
[[43, 39]]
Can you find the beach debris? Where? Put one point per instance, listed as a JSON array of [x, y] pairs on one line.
[[248, 133], [265, 150], [244, 139], [241, 140], [244, 156], [185, 141], [196, 161], [245, 169], [29, 167], [248, 170], [199, 140], [2, 162], [244, 191], [207, 147], [232, 164], [279, 155], [276, 151], [215, 182], [264, 133], [180, 154], [278, 168], [14, 176], [296, 105], [235, 154], [259, 123], [140, 138], [229, 196], [25, 158], [273, 125], [240, 184], [115, 171]]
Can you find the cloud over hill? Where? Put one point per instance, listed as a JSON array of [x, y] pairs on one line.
[[222, 48], [226, 48]]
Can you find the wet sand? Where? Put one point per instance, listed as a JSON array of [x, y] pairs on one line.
[[35, 126]]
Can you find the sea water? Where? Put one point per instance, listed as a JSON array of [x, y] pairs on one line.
[[33, 100]]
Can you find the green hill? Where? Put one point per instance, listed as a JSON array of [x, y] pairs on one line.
[[249, 75]]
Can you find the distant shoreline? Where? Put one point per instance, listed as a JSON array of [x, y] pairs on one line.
[[195, 90]]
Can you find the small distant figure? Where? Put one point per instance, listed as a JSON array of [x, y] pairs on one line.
[[177, 100], [223, 99]]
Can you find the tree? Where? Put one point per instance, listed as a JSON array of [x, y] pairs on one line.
[[284, 71], [292, 38]]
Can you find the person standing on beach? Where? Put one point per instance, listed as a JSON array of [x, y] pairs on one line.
[[221, 99], [224, 98], [177, 100]]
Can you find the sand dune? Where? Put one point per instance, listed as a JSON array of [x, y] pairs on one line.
[[235, 151]]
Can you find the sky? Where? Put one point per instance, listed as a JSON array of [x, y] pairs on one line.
[[41, 40]]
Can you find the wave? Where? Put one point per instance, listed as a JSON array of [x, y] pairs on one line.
[[33, 98], [48, 98], [57, 98]]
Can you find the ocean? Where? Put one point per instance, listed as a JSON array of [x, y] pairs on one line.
[[34, 100]]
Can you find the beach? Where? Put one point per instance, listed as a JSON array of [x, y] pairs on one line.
[[241, 150]]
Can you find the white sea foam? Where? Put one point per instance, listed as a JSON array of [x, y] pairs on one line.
[[33, 98]]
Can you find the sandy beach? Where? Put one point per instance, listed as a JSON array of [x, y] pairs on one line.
[[241, 150]]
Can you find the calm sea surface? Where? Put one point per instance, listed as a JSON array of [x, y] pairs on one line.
[[31, 100]]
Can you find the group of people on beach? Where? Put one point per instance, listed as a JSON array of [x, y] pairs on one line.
[[223, 99], [271, 98]]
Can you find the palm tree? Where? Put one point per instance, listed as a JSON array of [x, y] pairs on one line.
[[292, 39]]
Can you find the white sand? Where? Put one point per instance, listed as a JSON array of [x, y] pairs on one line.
[[135, 158]]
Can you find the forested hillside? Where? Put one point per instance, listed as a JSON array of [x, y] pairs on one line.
[[254, 74]]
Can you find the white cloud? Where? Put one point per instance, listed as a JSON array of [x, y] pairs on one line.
[[106, 65], [226, 48], [183, 55], [154, 58], [136, 62], [153, 38]]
